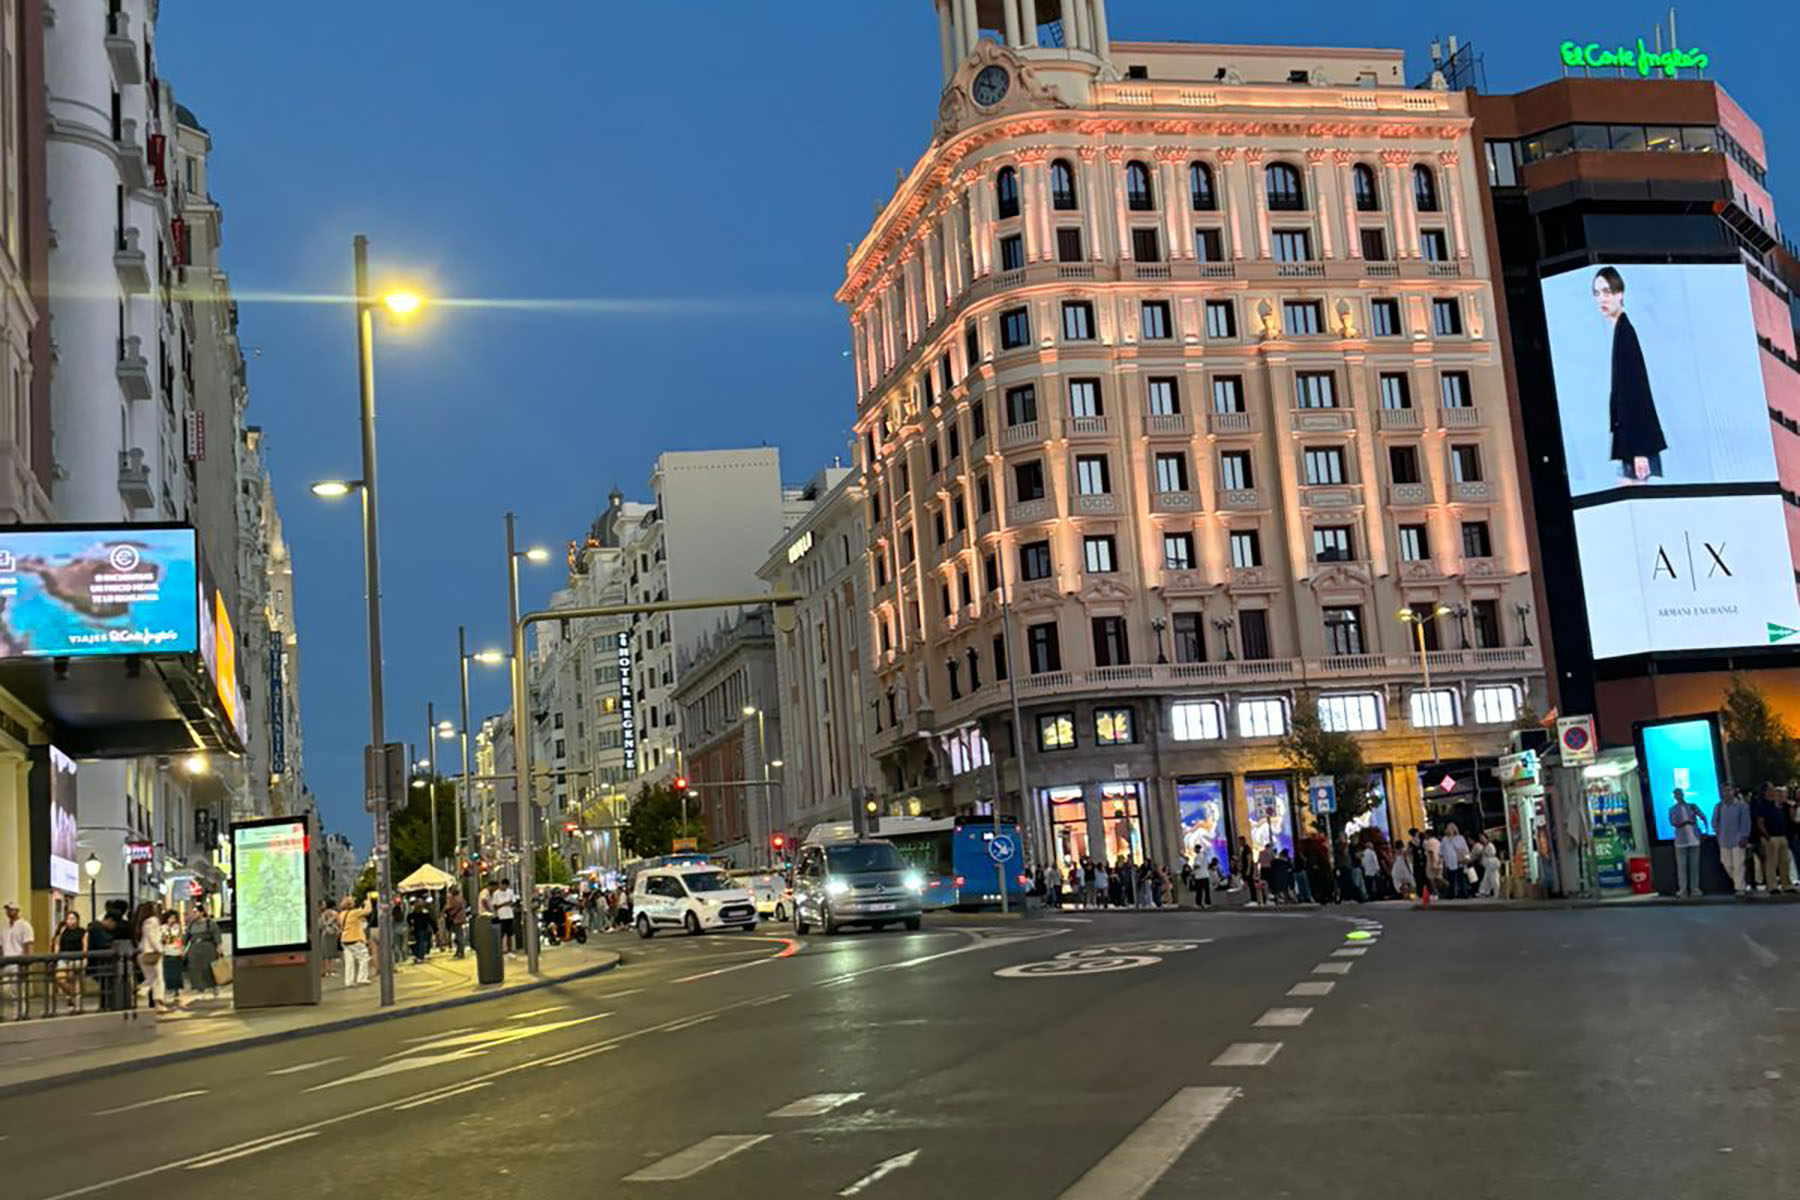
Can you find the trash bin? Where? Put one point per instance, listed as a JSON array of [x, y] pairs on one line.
[[1637, 869], [490, 964]]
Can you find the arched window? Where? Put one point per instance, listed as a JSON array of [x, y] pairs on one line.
[[1062, 186], [1200, 186], [1425, 197], [1138, 196], [1362, 179], [1006, 192], [1284, 190]]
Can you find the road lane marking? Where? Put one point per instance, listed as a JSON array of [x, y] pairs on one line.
[[563, 1060], [442, 1033], [684, 1164], [770, 999], [814, 1105], [883, 1169], [1333, 968], [487, 1039], [1247, 1054], [1283, 1017], [216, 1159], [1763, 955], [1132, 1167], [461, 1091], [307, 1066], [787, 951], [125, 1108], [616, 995], [1310, 987], [690, 1023], [537, 1012], [1350, 952]]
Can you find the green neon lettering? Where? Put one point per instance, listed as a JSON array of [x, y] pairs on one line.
[[1670, 63]]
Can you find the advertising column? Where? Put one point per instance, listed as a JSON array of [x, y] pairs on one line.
[[274, 884]]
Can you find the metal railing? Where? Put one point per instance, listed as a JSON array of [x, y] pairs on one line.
[[40, 986]]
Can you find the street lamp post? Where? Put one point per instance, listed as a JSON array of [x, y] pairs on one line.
[[472, 819], [762, 754], [1417, 620], [522, 789], [431, 737], [92, 867]]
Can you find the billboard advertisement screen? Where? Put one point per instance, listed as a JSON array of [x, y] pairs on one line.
[[1658, 377], [1684, 753], [1690, 573], [269, 876], [68, 593], [1204, 834], [65, 870]]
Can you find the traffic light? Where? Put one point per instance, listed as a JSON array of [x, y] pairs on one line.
[[777, 841], [569, 827], [681, 783]]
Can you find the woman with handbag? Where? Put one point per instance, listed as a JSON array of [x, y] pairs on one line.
[[147, 931], [202, 950]]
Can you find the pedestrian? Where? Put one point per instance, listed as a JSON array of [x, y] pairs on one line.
[[1453, 852], [354, 936], [71, 942], [1122, 886], [505, 904], [1731, 825], [202, 950], [1371, 869], [100, 955], [1770, 820], [1106, 886], [456, 916], [1490, 869], [1203, 881], [421, 925], [1418, 862], [329, 930], [174, 948], [147, 933], [1400, 874], [1688, 822], [16, 939]]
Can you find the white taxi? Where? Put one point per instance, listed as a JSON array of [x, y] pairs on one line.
[[693, 897], [770, 892]]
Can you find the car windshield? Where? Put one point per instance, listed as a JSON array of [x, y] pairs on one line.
[[865, 856], [707, 881]]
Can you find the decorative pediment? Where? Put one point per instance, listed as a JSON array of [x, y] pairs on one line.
[[1025, 92], [1339, 576], [1038, 596], [1102, 589]]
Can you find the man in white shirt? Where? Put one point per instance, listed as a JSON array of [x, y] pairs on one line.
[[1686, 819], [1455, 851], [16, 938], [504, 901]]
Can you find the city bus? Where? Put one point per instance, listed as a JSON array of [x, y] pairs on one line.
[[950, 852]]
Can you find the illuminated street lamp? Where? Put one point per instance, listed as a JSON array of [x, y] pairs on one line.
[[92, 867], [487, 658]]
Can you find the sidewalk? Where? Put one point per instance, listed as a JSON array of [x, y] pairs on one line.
[[210, 1026], [1653, 900]]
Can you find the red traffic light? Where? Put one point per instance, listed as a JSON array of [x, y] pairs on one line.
[[777, 840], [569, 827], [681, 783]]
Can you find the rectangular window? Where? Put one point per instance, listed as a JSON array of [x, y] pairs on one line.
[[978, 420], [1403, 464], [1234, 471], [1253, 633], [1432, 246], [953, 443], [1503, 164], [1101, 554], [1446, 317], [1262, 718], [1465, 464], [1068, 244], [1395, 393], [1146, 245], [1415, 543], [1034, 560], [959, 515], [1476, 541], [1084, 398], [1374, 245], [1042, 648], [1156, 320], [1028, 481], [1162, 393], [1056, 731], [1077, 321], [1485, 616], [984, 496], [906, 546], [945, 379], [1359, 712], [1178, 551], [1171, 472], [1495, 704], [940, 527], [1302, 316], [1331, 543], [934, 458], [1114, 727], [1292, 245], [1343, 630], [1012, 252], [1436, 708], [1221, 319], [1209, 245], [1312, 389], [1246, 548], [990, 571], [1188, 631], [1015, 328], [971, 346], [1092, 478], [946, 603], [1021, 405], [1197, 721], [1422, 611], [1384, 317], [1228, 393], [999, 654], [927, 383], [1324, 465], [903, 476], [1110, 646], [1453, 389]]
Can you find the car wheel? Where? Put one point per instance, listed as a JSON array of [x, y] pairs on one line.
[[827, 922], [691, 923], [644, 928], [913, 922], [780, 913]]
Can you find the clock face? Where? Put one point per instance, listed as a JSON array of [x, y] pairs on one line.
[[990, 86]]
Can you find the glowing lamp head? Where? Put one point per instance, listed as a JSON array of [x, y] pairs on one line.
[[403, 303], [333, 489], [537, 554], [196, 764], [92, 866], [489, 658]]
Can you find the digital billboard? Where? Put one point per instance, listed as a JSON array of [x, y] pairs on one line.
[[270, 880], [1689, 573], [1204, 833], [87, 592], [1658, 377], [1685, 753], [65, 870]]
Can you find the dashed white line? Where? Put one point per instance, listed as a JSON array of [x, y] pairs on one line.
[[537, 1012], [230, 1155], [1283, 1017], [690, 1023], [1133, 1166], [1309, 987], [461, 1091], [1333, 968], [814, 1105], [426, 1037], [616, 995], [307, 1066], [1247, 1054], [684, 1164], [770, 999], [125, 1108], [1350, 952]]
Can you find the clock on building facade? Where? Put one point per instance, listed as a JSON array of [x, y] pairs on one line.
[[990, 86]]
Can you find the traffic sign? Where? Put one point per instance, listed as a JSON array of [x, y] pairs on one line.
[[1000, 847], [1576, 737], [1321, 794]]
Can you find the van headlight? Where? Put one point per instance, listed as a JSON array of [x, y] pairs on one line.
[[836, 887], [913, 881]]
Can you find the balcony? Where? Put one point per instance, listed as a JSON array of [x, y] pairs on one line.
[[1248, 578], [1103, 503], [1072, 271], [1176, 423], [1383, 270], [134, 371], [1174, 502], [1444, 270], [129, 258], [134, 479], [1402, 418], [1025, 433], [134, 168], [1462, 417], [1300, 270], [1151, 271], [1229, 422], [1471, 491], [1027, 511], [1403, 495], [1323, 420], [1211, 270], [1331, 496], [1087, 426], [122, 51], [1240, 499], [1007, 280]]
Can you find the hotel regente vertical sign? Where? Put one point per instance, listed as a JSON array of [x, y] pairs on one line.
[[627, 714]]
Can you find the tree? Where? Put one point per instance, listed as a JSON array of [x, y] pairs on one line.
[[552, 867], [409, 830], [1759, 746], [1311, 749], [655, 822]]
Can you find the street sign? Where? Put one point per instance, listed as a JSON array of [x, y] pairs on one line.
[[684, 845], [1321, 794], [1000, 847], [1576, 737]]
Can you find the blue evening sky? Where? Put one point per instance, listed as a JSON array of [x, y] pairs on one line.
[[564, 150]]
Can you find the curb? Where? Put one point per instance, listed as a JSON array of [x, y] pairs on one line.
[[1493, 906], [265, 1039]]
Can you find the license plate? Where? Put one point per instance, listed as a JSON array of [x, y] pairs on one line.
[[883, 907]]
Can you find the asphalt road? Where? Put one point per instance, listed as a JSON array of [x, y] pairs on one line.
[[1540, 1054]]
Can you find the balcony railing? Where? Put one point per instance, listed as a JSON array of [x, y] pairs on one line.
[[1384, 270], [1240, 498], [1472, 491], [1443, 270], [1022, 434], [1071, 271], [1104, 502], [1229, 422], [1401, 418], [1460, 417], [1445, 664], [1300, 270], [1087, 426], [1027, 511], [1152, 271], [1211, 270], [1166, 423], [1404, 494], [122, 49], [1174, 502]]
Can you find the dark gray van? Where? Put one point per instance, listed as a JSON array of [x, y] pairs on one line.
[[854, 881]]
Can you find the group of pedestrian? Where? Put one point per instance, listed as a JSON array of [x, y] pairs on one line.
[[121, 952], [1446, 865], [1757, 833], [1092, 883]]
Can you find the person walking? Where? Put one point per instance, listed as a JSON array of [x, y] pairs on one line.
[[353, 933], [147, 933], [1687, 821], [1400, 874], [1371, 869], [202, 950], [1769, 819], [1090, 892], [1453, 851], [16, 939], [421, 925], [506, 903], [456, 917], [1418, 860], [174, 948], [1731, 825], [1490, 869], [1203, 883]]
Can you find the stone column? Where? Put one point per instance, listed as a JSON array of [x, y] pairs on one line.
[[1102, 40], [933, 291], [1083, 36], [979, 250], [1406, 221], [1227, 156], [1174, 203], [1315, 184], [1093, 228], [1452, 194], [971, 27], [1029, 18], [1347, 189], [951, 244], [1258, 196], [946, 35], [1114, 157], [1012, 22]]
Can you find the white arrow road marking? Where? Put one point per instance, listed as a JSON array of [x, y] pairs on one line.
[[812, 1106], [496, 1037], [307, 1066], [883, 1169], [1283, 1017], [216, 1159], [1320, 987], [1132, 1167], [470, 1045], [1247, 1054], [123, 1108], [696, 1158]]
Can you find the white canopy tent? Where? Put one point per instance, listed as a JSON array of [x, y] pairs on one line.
[[426, 879]]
